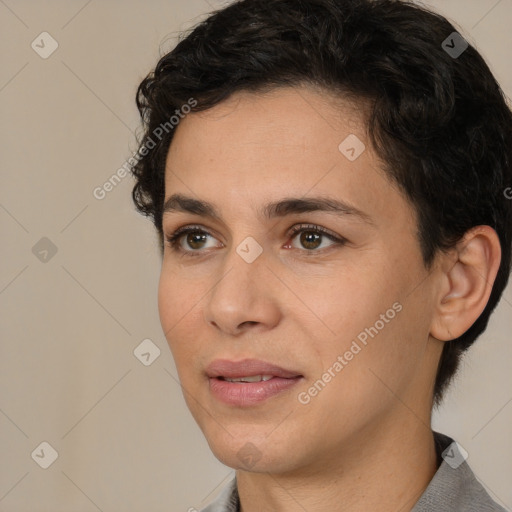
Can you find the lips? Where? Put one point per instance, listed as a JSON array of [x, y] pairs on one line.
[[226, 369], [249, 381]]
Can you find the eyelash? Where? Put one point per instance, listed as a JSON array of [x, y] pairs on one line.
[[173, 240]]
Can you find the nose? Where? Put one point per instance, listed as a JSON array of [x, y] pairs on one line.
[[245, 297]]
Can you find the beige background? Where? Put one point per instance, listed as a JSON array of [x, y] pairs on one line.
[[68, 374]]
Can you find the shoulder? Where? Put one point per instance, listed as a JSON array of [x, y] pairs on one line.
[[454, 487]]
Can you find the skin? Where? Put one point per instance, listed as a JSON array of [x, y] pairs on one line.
[[364, 441]]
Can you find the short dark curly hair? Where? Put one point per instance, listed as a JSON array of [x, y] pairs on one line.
[[438, 121]]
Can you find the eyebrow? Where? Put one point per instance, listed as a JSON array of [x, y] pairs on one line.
[[282, 208]]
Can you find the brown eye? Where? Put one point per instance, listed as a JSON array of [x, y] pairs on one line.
[[310, 238], [191, 239], [195, 240]]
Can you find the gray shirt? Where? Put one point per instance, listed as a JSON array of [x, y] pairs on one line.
[[454, 487]]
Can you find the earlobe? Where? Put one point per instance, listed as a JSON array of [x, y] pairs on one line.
[[467, 281]]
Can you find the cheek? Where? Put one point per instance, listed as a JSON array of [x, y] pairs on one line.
[[390, 359], [167, 301], [178, 307], [348, 302], [366, 377], [377, 332]]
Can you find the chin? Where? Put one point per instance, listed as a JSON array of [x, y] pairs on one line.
[[250, 451], [250, 458]]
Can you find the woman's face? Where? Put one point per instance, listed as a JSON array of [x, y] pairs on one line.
[[304, 269]]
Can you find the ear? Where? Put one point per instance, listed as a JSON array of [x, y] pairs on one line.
[[467, 278]]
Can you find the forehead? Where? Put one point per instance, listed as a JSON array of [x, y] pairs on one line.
[[285, 142], [292, 119]]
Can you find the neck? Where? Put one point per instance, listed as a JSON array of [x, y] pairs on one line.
[[386, 469]]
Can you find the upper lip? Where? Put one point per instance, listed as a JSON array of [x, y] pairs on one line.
[[246, 368]]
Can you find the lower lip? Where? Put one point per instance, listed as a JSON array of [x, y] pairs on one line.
[[243, 394]]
